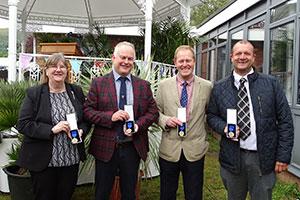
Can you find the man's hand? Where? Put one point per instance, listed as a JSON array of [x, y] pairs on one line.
[[237, 133], [128, 131], [120, 115], [280, 167], [173, 122]]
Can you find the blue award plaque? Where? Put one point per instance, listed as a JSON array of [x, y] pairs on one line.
[[181, 130], [75, 136], [129, 125]]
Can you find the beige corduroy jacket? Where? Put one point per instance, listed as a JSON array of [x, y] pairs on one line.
[[194, 145]]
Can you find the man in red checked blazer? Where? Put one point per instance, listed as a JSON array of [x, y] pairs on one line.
[[116, 149]]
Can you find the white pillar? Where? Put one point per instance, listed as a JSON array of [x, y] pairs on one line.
[[148, 30], [188, 11], [12, 40], [185, 9]]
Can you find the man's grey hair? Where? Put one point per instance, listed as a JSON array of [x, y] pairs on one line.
[[121, 44]]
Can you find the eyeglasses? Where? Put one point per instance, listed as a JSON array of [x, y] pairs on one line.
[[57, 66]]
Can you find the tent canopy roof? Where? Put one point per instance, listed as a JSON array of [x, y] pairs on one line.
[[79, 13]]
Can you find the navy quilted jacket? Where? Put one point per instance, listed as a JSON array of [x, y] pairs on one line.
[[273, 118]]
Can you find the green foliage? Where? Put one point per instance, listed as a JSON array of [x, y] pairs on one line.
[[284, 191], [13, 154], [53, 37], [3, 42], [203, 11], [96, 45], [167, 35], [11, 97]]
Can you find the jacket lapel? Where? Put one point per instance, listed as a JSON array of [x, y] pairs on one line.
[[135, 86], [112, 94], [196, 95], [45, 104], [174, 91]]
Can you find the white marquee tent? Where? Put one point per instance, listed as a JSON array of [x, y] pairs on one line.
[[30, 15]]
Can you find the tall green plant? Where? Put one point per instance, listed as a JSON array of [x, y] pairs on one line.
[[96, 43], [205, 9], [11, 97], [167, 35]]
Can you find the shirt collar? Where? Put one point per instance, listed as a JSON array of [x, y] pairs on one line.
[[117, 76], [238, 77], [181, 81]]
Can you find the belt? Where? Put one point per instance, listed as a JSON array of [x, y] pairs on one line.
[[123, 144], [248, 150]]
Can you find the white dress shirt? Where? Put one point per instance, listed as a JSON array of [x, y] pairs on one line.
[[250, 143]]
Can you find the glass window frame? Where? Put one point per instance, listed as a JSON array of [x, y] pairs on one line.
[[294, 89]]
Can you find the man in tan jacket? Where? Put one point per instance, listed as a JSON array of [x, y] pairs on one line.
[[183, 145]]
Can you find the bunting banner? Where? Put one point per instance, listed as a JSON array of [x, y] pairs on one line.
[[24, 61], [99, 63], [76, 65]]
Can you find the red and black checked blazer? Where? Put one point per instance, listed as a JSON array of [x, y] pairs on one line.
[[100, 105]]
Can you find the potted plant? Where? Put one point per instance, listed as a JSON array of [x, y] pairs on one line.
[[19, 180], [11, 97], [50, 43]]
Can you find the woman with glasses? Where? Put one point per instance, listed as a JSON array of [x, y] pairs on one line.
[[47, 149]]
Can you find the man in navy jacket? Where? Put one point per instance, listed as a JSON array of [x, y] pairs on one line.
[[249, 163]]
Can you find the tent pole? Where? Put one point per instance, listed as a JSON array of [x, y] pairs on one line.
[[148, 30], [12, 40]]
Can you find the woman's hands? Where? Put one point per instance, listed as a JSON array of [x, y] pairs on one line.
[[61, 126]]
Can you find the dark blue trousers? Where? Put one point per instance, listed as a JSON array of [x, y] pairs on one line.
[[125, 163], [192, 173]]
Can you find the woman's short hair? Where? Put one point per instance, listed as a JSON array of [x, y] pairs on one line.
[[53, 60]]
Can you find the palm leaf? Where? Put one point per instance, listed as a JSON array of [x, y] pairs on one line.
[[11, 97]]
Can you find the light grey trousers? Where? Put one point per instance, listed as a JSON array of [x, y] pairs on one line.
[[250, 179]]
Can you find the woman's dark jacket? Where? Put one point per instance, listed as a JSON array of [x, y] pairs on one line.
[[35, 123], [273, 118]]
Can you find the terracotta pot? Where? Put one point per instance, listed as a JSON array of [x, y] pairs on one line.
[[116, 190]]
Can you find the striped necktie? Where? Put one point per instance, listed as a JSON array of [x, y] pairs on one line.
[[243, 111]]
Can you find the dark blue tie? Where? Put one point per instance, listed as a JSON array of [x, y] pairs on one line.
[[122, 102], [184, 95], [122, 97]]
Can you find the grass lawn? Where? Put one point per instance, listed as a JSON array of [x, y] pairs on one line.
[[213, 187]]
